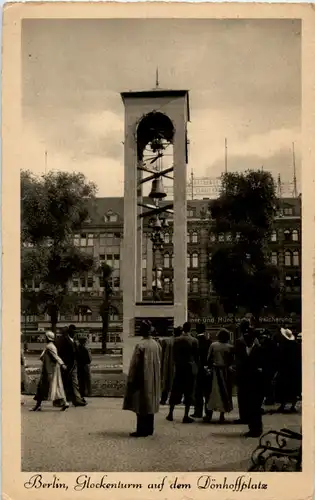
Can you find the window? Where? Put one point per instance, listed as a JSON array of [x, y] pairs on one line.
[[274, 258], [188, 285], [76, 240], [296, 258], [116, 262], [90, 240], [90, 282], [167, 262], [82, 282], [221, 237], [144, 263], [101, 282], [190, 212], [297, 283], [287, 259], [188, 237], [36, 283], [274, 236], [172, 260], [287, 235], [288, 211], [144, 284], [288, 282], [113, 315], [116, 283], [195, 287], [110, 217], [195, 260], [212, 237], [188, 260], [166, 237], [83, 240], [102, 257], [166, 284], [75, 283], [295, 235], [228, 237], [194, 237]]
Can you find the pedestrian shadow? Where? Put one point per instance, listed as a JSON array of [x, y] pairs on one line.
[[224, 434], [112, 434]]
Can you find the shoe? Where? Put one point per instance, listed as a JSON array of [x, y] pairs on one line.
[[207, 419], [222, 420], [250, 434], [170, 418], [188, 420], [80, 404], [196, 415], [293, 410], [36, 408], [136, 435], [65, 407]]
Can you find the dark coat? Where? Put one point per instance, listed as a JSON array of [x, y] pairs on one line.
[[84, 360], [288, 379], [68, 351]]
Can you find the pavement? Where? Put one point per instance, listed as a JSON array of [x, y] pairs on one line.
[[96, 438]]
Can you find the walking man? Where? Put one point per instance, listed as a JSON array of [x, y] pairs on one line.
[[185, 354], [67, 350]]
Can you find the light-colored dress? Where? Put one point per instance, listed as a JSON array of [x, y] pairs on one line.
[[220, 360], [144, 379], [50, 386]]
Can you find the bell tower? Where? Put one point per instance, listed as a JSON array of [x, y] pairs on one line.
[[155, 121]]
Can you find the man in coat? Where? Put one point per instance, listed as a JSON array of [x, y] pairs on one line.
[[167, 364], [201, 397], [185, 354], [249, 379], [67, 350], [144, 382]]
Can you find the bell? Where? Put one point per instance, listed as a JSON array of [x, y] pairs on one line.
[[157, 189], [156, 223]]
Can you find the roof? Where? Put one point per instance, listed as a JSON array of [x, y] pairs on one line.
[[99, 207], [156, 93]]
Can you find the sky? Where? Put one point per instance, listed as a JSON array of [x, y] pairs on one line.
[[244, 79]]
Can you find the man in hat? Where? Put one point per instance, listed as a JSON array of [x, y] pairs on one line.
[[67, 350], [201, 395], [144, 382], [186, 362], [249, 379], [287, 378]]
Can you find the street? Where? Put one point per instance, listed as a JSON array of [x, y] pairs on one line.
[[96, 439]]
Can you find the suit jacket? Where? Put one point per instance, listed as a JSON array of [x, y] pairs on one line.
[[67, 350], [248, 366], [185, 353], [203, 349]]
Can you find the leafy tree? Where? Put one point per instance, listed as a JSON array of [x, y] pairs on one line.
[[53, 207], [240, 267], [106, 272]]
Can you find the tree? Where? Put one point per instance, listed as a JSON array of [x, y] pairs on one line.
[[106, 272], [53, 207], [240, 267]]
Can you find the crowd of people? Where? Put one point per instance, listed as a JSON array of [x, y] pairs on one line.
[[65, 373], [265, 369]]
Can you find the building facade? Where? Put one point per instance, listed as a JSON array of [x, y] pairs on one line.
[[102, 237]]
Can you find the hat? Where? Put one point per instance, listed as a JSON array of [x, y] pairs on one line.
[[287, 333], [50, 336]]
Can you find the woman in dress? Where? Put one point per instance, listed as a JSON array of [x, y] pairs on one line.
[[219, 365], [50, 386]]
